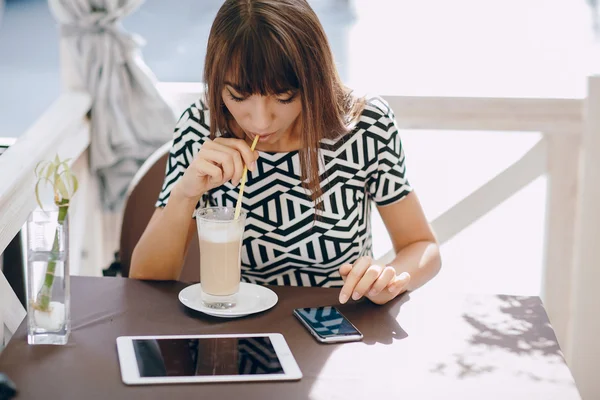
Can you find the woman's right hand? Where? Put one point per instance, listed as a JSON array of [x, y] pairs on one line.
[[217, 162]]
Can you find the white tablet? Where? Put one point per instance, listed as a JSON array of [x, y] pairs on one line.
[[148, 360]]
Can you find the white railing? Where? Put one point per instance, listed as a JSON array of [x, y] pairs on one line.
[[64, 130]]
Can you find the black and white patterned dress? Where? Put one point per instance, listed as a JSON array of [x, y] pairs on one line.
[[283, 243]]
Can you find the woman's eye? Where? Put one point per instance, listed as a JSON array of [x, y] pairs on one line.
[[235, 98], [286, 100]]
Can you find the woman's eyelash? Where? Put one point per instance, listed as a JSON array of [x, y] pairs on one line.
[[234, 98], [287, 101], [240, 99]]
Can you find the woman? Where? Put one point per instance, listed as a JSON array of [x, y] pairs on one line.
[[322, 158]]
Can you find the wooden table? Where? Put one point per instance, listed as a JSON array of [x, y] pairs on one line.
[[424, 345]]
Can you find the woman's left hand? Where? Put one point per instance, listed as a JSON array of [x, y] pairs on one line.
[[378, 284]]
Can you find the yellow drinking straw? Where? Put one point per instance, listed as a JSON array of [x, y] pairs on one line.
[[238, 205]]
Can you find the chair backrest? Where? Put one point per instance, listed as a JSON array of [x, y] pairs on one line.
[[139, 207]]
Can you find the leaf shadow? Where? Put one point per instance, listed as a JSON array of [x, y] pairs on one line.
[[519, 326]]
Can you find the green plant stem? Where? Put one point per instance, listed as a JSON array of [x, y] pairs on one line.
[[43, 298]]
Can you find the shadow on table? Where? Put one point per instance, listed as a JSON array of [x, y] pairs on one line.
[[518, 327], [379, 324], [533, 333]]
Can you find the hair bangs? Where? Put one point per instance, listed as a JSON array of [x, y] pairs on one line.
[[259, 64]]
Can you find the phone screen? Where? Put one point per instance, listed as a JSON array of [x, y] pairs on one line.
[[327, 321], [206, 356]]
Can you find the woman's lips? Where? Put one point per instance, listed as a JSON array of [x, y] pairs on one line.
[[262, 137]]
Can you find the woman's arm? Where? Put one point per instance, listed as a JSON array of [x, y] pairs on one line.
[[417, 256], [161, 250], [417, 250]]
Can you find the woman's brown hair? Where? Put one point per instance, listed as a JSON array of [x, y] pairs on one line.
[[272, 46]]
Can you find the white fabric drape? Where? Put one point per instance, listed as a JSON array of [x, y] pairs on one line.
[[130, 119]]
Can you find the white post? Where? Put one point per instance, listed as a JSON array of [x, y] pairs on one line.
[[78, 221], [83, 243], [563, 174], [584, 358]]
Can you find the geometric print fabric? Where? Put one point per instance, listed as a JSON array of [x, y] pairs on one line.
[[284, 244]]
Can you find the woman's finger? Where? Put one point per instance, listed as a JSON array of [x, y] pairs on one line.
[[206, 168], [366, 281], [352, 279], [223, 159], [345, 270], [249, 157], [236, 158], [396, 285], [399, 283], [385, 278]]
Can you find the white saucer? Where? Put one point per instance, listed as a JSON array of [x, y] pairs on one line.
[[251, 299]]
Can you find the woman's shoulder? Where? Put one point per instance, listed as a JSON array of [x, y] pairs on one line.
[[198, 109], [372, 123], [375, 119], [194, 122], [376, 109]]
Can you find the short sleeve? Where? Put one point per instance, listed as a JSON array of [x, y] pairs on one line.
[[387, 181], [191, 131]]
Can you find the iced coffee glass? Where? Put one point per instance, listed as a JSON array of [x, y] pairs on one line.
[[220, 237]]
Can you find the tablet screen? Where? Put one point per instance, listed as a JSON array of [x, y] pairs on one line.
[[206, 356]]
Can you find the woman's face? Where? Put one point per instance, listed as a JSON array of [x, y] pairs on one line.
[[272, 118]]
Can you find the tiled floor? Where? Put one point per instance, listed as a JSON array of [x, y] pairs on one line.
[[522, 48]]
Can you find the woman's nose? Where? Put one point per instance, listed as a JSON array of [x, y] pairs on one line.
[[261, 115]]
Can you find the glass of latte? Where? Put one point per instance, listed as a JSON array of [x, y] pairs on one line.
[[220, 236]]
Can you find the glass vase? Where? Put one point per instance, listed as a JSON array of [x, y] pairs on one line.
[[48, 291]]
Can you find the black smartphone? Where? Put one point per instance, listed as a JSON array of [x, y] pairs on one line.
[[328, 325]]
